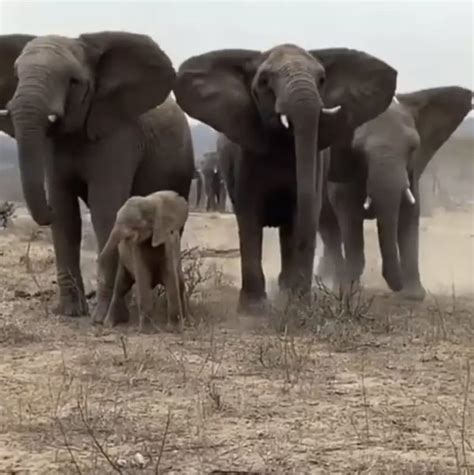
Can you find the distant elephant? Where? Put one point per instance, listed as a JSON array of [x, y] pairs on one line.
[[378, 177], [197, 175], [147, 236], [276, 109], [214, 186], [83, 111]]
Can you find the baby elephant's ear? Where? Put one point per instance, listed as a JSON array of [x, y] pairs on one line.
[[171, 212], [159, 229]]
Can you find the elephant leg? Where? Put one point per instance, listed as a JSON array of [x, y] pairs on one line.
[[118, 310], [66, 231], [252, 293], [144, 288], [408, 244], [352, 231], [104, 206], [332, 263], [286, 253]]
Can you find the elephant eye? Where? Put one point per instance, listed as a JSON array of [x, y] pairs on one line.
[[321, 81], [74, 80]]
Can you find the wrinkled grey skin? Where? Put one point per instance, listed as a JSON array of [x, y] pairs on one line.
[[270, 107], [214, 186], [107, 140], [387, 156], [147, 235]]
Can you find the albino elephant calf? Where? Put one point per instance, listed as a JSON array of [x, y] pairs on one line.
[[147, 234]]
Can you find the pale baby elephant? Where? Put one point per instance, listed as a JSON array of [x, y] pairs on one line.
[[147, 233]]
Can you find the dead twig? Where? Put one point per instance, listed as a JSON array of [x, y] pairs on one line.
[[98, 445], [163, 442]]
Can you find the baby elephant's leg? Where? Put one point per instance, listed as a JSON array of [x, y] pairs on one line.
[[144, 288], [118, 311]]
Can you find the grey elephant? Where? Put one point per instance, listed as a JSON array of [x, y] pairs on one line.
[[276, 109], [83, 112], [214, 187], [377, 176], [147, 235]]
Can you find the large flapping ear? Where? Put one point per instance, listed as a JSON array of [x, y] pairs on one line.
[[215, 89], [361, 84], [11, 47], [437, 113], [133, 75], [171, 213]]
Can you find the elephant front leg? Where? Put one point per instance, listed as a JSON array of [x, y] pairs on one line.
[[118, 310], [332, 264], [352, 229], [286, 255], [252, 293], [408, 244], [66, 231], [104, 206]]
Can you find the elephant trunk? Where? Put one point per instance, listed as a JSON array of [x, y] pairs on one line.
[[30, 119], [386, 190], [304, 106]]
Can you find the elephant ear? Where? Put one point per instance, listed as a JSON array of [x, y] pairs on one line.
[[215, 89], [11, 47], [133, 75], [437, 113], [362, 84], [171, 212]]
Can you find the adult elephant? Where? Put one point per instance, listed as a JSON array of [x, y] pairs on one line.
[[387, 157], [277, 109], [83, 113], [214, 186]]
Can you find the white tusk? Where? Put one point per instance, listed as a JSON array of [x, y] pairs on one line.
[[284, 121], [410, 196], [52, 118], [331, 110], [367, 203], [4, 112]]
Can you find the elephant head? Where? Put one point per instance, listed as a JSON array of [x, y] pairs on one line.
[[395, 148], [155, 217], [90, 85], [309, 99]]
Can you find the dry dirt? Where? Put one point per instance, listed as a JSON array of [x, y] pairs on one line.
[[375, 385]]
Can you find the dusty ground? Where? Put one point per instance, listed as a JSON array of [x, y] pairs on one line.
[[380, 388]]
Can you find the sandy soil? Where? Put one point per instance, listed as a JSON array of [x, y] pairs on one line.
[[372, 385]]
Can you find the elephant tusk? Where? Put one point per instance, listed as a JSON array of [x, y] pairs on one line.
[[284, 121], [52, 118], [410, 196], [367, 203], [331, 110], [4, 113]]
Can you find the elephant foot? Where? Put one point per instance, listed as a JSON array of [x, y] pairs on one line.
[[72, 305], [118, 313], [394, 280], [413, 292], [147, 324], [251, 305], [101, 310]]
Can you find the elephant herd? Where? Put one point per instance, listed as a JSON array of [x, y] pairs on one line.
[[309, 141]]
